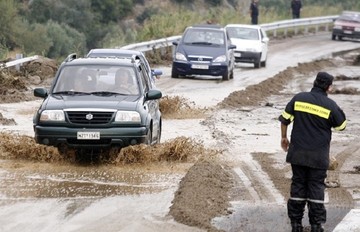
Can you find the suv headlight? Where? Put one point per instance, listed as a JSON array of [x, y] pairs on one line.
[[337, 27], [52, 115], [220, 59], [127, 116], [180, 56]]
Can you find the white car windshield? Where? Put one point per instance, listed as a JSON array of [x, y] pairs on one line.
[[243, 33]]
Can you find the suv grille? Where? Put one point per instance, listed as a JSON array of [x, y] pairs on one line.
[[88, 117]]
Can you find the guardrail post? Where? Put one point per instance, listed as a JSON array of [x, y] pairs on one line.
[[18, 56]]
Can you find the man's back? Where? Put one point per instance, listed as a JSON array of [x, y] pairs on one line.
[[296, 6]]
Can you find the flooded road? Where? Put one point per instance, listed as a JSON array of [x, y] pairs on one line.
[[63, 196], [70, 197]]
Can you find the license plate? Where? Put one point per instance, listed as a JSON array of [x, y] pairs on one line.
[[237, 54], [88, 135], [347, 32], [199, 66]]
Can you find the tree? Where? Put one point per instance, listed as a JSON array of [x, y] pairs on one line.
[[112, 10], [8, 17]]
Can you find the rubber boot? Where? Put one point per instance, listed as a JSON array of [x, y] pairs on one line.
[[296, 227], [317, 228]]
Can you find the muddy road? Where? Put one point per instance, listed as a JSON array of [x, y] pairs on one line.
[[231, 174]]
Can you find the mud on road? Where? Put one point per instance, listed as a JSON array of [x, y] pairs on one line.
[[233, 178]]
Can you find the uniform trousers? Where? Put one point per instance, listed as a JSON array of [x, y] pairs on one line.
[[307, 187]]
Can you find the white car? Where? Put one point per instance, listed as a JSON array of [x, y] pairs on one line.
[[251, 43]]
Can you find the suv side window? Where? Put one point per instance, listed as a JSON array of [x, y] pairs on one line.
[[146, 75], [144, 79]]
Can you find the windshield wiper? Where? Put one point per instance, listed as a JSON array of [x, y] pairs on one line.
[[202, 43], [106, 93], [71, 92]]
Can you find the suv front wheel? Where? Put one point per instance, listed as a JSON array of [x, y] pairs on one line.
[[148, 140]]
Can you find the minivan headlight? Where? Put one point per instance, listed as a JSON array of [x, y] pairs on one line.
[[180, 56], [127, 116], [220, 59], [52, 115]]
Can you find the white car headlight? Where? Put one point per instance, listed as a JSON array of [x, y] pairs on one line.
[[357, 29], [180, 56], [220, 59], [337, 27], [52, 115], [127, 116]]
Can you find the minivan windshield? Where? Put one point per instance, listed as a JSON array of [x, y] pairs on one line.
[[204, 36]]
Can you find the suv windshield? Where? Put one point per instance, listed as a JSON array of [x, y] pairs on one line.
[[95, 79], [204, 36]]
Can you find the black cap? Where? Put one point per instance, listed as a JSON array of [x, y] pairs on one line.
[[323, 80]]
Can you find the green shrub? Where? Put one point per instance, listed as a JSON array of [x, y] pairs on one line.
[[64, 40]]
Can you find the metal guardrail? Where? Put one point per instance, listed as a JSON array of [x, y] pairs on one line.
[[285, 25], [18, 61], [295, 24]]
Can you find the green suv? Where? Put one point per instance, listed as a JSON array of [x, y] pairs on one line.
[[98, 104]]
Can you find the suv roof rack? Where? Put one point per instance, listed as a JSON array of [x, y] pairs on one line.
[[133, 58], [70, 57]]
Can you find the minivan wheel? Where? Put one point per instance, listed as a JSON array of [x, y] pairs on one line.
[[174, 73], [225, 77]]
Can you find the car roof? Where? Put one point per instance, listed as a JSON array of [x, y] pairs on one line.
[[113, 51], [215, 26], [350, 16], [243, 25], [210, 27]]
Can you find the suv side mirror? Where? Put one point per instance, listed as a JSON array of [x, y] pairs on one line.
[[40, 92], [153, 94]]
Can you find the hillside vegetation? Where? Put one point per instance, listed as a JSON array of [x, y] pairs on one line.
[[55, 28]]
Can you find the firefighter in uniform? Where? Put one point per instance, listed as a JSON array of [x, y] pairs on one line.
[[313, 115]]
